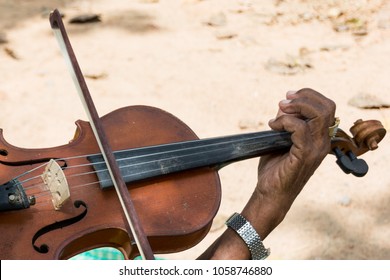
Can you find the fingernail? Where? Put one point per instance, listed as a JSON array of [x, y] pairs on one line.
[[286, 101], [291, 92]]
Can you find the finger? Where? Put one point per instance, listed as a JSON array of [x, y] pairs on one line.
[[305, 139], [281, 113], [299, 133], [291, 94], [307, 93], [285, 122], [309, 104]]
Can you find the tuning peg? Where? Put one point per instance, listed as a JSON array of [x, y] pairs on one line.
[[349, 163], [360, 166]]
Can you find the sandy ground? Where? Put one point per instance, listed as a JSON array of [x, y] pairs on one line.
[[221, 67]]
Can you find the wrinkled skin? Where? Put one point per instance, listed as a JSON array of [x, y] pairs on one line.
[[307, 114]]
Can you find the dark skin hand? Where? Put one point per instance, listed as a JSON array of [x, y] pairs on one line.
[[307, 114]]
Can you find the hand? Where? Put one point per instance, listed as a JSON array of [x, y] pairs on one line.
[[307, 115]]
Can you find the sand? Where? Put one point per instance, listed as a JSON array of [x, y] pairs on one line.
[[221, 67]]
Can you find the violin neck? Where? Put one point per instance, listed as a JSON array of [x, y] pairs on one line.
[[153, 161]]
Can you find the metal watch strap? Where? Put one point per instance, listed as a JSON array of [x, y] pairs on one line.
[[249, 235]]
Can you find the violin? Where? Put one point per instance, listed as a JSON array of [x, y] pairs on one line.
[[61, 201]]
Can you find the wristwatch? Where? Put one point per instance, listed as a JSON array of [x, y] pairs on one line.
[[249, 235]]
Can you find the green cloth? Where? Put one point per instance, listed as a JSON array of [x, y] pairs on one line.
[[104, 253]]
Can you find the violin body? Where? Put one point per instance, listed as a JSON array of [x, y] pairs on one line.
[[176, 211]]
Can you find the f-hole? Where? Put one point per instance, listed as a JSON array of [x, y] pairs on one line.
[[44, 248]]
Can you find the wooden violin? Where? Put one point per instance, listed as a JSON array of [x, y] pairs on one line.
[[58, 202]]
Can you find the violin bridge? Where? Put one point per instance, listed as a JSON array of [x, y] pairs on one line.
[[55, 181]]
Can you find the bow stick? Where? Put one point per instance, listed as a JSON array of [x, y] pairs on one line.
[[120, 186]]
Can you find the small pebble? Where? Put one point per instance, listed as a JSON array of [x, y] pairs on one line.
[[86, 18], [217, 20], [344, 201], [3, 38]]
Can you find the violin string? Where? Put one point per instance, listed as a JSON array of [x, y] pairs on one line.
[[30, 179], [131, 165], [46, 193], [43, 203], [43, 194], [29, 171], [126, 176], [69, 176], [137, 164], [127, 158], [154, 154], [257, 136]]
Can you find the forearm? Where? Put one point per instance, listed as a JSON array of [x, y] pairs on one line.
[[264, 218]]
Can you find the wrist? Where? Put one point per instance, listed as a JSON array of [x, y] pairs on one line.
[[265, 214]]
